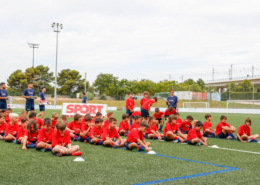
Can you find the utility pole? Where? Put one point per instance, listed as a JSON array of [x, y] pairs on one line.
[[31, 45], [253, 71], [231, 71], [85, 83], [213, 74]]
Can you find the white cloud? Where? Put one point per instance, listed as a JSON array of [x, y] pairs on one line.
[[133, 39]]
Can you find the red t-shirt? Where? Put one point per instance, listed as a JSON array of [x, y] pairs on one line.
[[167, 113], [9, 129], [39, 123], [134, 125], [151, 127], [2, 128], [19, 119], [130, 103], [21, 132], [143, 100], [159, 115], [93, 120], [123, 126], [136, 113], [45, 137], [111, 134], [7, 119], [207, 125], [173, 128], [53, 124], [185, 126], [219, 127], [96, 132], [134, 135], [106, 123], [193, 134], [243, 130], [179, 121], [84, 128], [75, 126], [31, 136], [57, 139], [148, 102]]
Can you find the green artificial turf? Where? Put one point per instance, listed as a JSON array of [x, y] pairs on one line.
[[117, 166]]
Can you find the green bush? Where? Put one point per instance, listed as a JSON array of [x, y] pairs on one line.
[[103, 97], [90, 96]]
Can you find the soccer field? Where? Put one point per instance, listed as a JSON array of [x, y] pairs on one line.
[[174, 162]]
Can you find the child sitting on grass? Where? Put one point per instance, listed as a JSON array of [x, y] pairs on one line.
[[178, 121], [186, 125], [207, 127], [224, 130], [159, 118], [61, 144], [7, 113], [2, 126], [136, 122], [23, 114], [86, 129], [98, 115], [22, 129], [45, 136], [11, 129], [96, 132], [75, 127], [135, 140], [243, 133], [31, 135], [169, 112], [194, 136], [109, 135], [39, 121], [64, 118], [124, 125], [106, 123], [54, 118], [152, 131], [171, 129]]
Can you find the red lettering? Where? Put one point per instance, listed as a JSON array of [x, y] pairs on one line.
[[84, 111], [77, 108], [69, 108], [99, 107], [92, 109]]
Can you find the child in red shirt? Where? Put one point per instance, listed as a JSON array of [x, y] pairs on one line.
[[136, 113], [39, 122], [45, 136], [178, 121], [8, 111], [98, 115], [169, 112], [96, 132], [194, 136], [159, 118], [207, 127], [75, 127], [2, 126], [124, 126], [11, 129], [109, 135], [145, 110], [21, 130], [106, 123], [243, 133], [224, 130], [61, 144], [186, 125], [171, 129], [23, 114], [143, 100], [152, 131], [64, 118], [136, 122], [86, 129], [54, 118], [130, 105], [31, 135], [135, 140]]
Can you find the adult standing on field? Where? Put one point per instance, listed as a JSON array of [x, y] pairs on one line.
[[29, 94], [172, 100], [84, 99], [3, 96]]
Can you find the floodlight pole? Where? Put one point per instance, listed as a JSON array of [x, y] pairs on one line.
[[31, 45], [56, 28]]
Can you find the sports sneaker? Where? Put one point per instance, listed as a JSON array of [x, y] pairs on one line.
[[114, 146], [43, 150], [74, 139], [135, 150], [175, 141], [198, 144], [229, 137], [59, 154], [14, 141], [248, 140]]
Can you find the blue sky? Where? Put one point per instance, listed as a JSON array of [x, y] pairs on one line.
[[133, 39]]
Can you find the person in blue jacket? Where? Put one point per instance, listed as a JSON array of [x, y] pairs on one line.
[[84, 100], [172, 100], [3, 96], [27, 94]]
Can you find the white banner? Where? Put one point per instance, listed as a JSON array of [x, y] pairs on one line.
[[70, 109]]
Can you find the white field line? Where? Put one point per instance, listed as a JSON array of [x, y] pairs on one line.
[[236, 150]]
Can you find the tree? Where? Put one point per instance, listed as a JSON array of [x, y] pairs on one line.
[[189, 82], [232, 86], [69, 81], [106, 84], [201, 83], [166, 86], [17, 81]]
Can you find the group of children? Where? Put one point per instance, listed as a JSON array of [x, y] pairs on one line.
[[55, 136]]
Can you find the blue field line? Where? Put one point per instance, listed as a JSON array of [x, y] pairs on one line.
[[228, 169]]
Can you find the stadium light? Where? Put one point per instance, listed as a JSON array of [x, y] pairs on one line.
[[56, 28], [31, 45]]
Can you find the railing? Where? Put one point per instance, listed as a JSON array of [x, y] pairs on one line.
[[236, 78]]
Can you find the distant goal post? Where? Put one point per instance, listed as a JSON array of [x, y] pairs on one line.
[[196, 105]]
